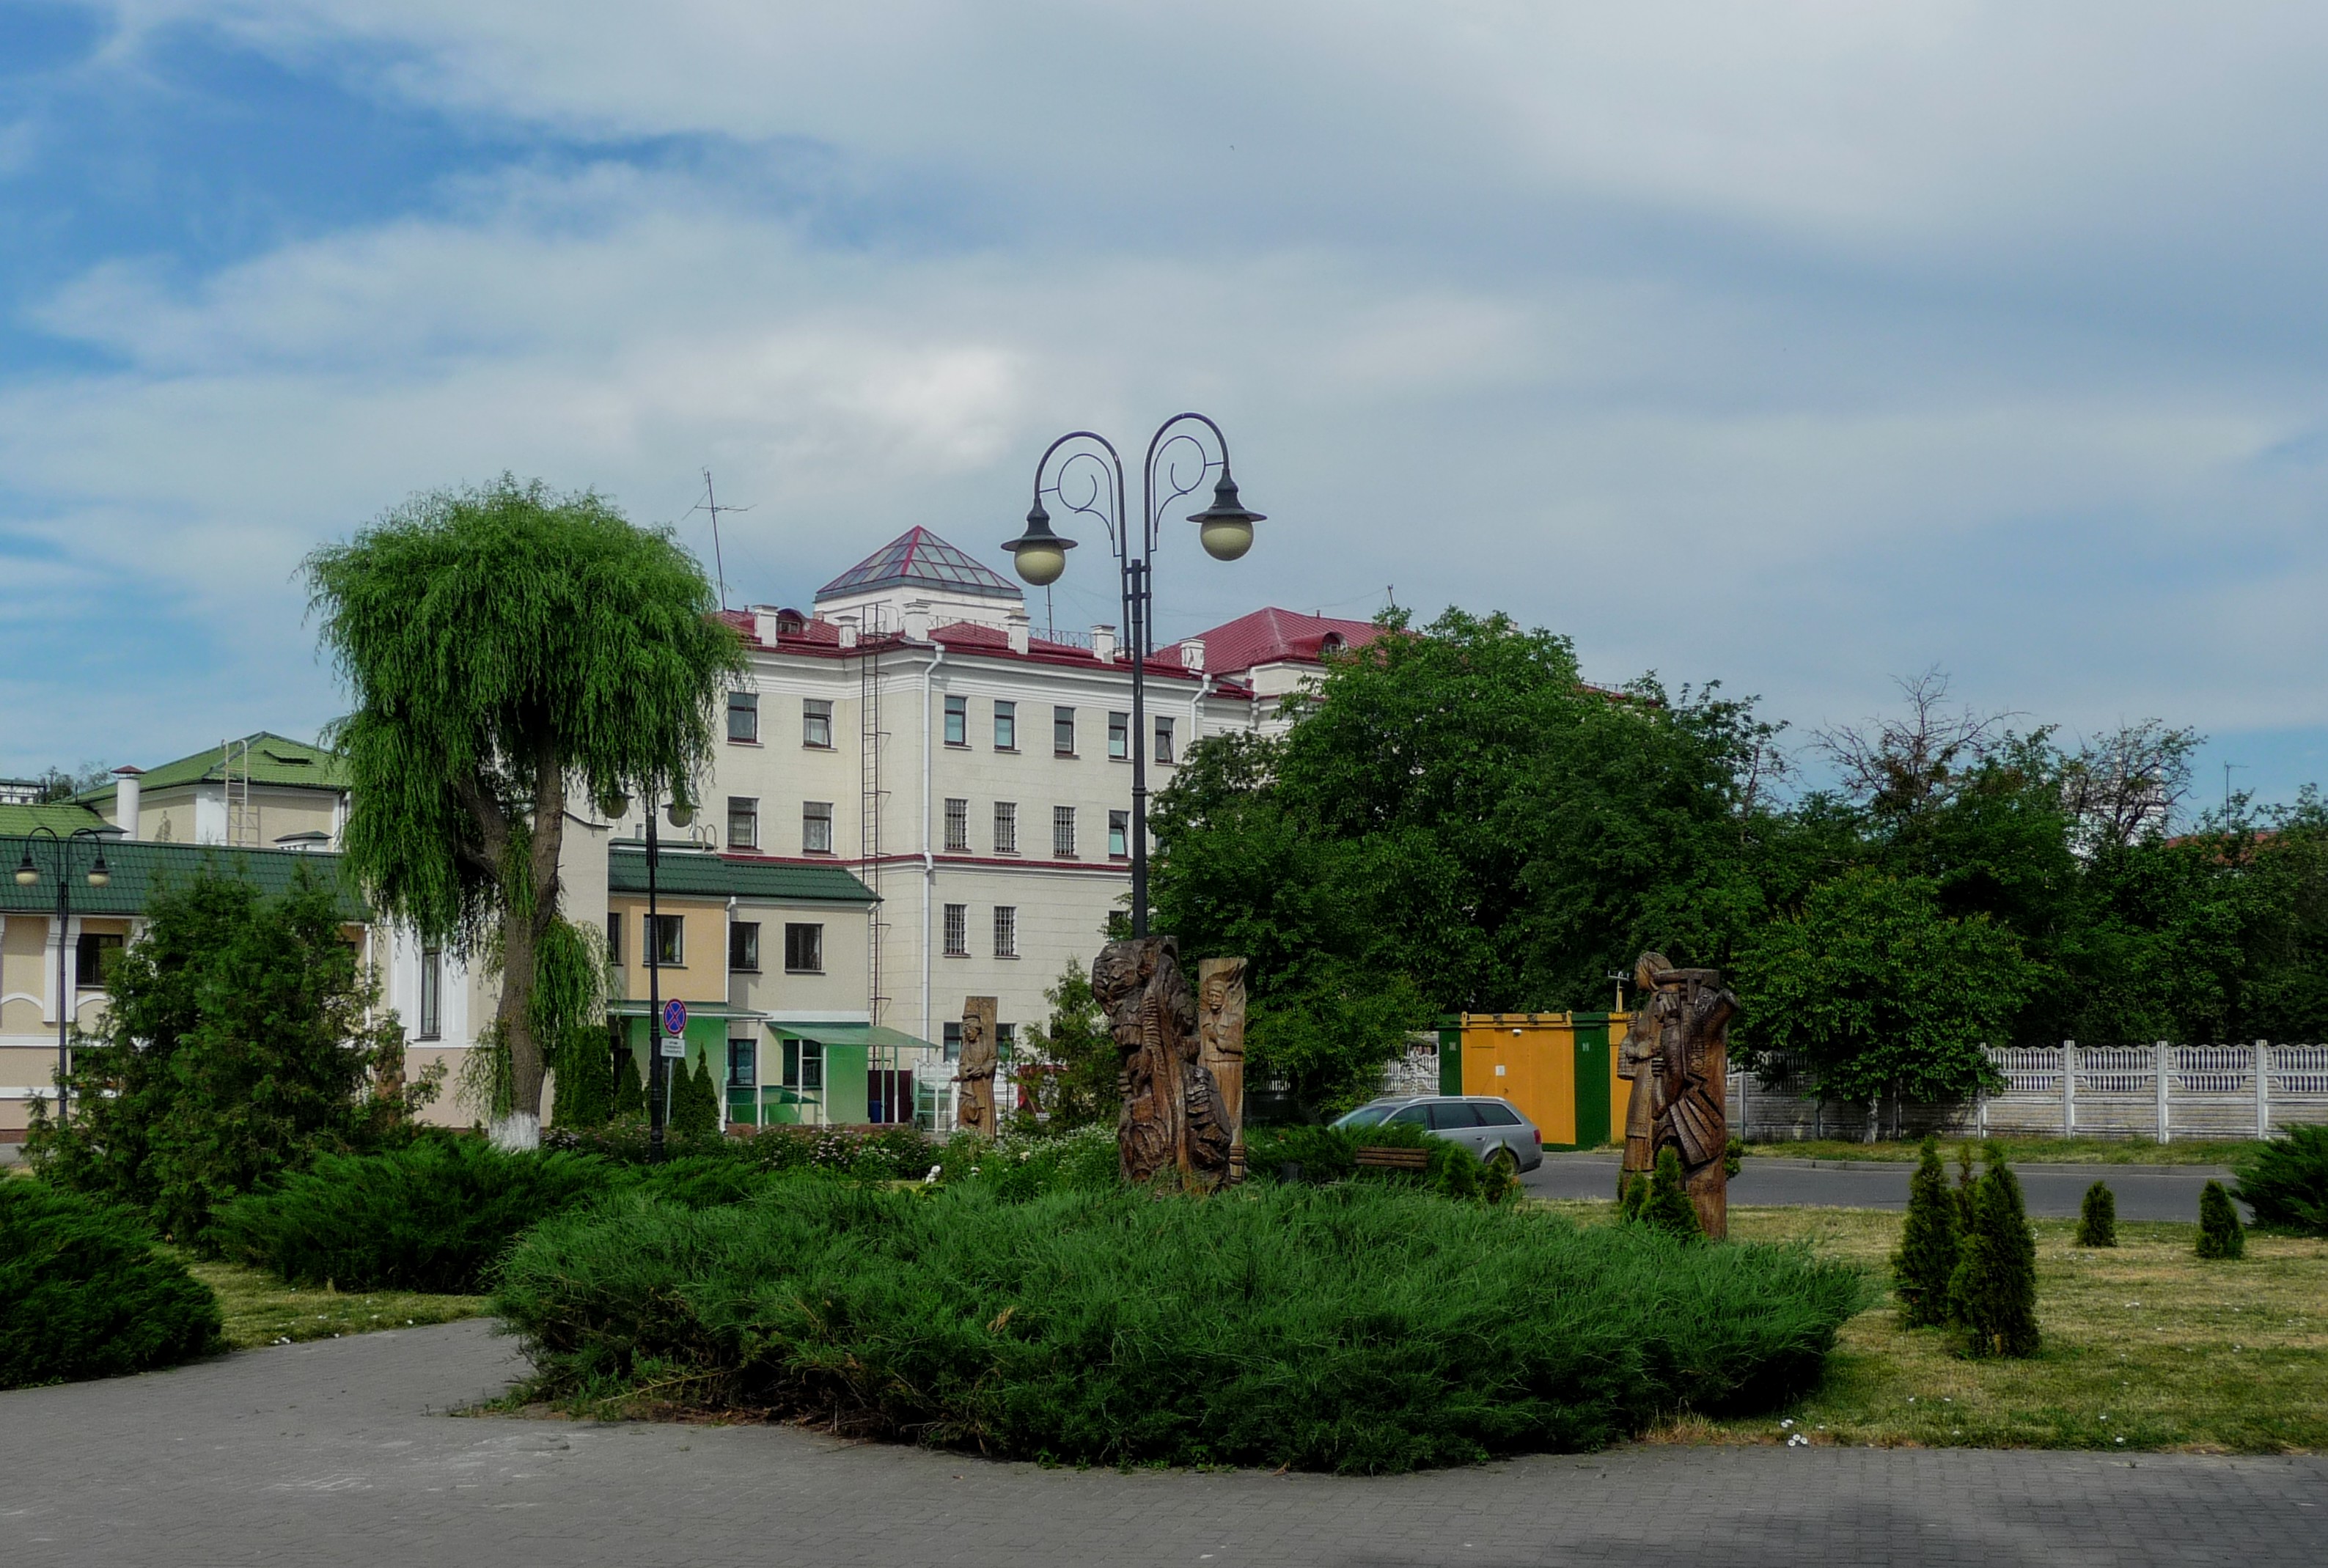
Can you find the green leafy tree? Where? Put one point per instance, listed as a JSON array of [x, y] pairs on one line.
[[1995, 1292], [1074, 1077], [2220, 1234], [2098, 1216], [240, 1038], [1666, 1207], [1875, 988], [506, 645], [1929, 1244]]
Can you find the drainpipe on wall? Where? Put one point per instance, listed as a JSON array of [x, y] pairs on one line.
[[929, 861]]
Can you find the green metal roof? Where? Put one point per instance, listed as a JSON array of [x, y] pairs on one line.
[[275, 759], [850, 1035], [58, 817], [139, 868], [698, 873]]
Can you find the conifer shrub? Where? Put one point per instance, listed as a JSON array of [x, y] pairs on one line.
[[435, 1217], [1330, 1154], [1359, 1326], [1633, 1192], [2220, 1234], [1668, 1206], [1994, 1292], [694, 1101], [1929, 1242], [85, 1293], [2097, 1217], [2286, 1182], [630, 1092], [1966, 1191]]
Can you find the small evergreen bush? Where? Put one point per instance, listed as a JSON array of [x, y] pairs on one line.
[[1994, 1293], [1967, 1191], [1357, 1327], [2097, 1217], [1733, 1156], [1668, 1206], [84, 1293], [2286, 1182], [1330, 1154], [435, 1217], [694, 1101], [1633, 1192], [1930, 1242], [2220, 1234], [630, 1093]]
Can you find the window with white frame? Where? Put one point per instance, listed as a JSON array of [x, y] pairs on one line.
[[744, 716], [816, 827], [1005, 827], [957, 931], [743, 823], [816, 723], [1119, 835], [1163, 739], [1063, 832], [432, 994], [1006, 930], [1119, 735], [957, 825]]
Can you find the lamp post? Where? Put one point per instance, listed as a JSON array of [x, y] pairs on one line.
[[658, 1079], [64, 850], [1081, 484]]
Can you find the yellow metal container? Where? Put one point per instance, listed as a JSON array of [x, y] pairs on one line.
[[1558, 1068]]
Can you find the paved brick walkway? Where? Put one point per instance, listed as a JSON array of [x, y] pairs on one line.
[[338, 1453]]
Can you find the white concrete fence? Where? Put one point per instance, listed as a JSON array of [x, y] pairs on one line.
[[2161, 1091]]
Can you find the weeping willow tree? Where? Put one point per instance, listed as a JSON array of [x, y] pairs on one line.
[[506, 646]]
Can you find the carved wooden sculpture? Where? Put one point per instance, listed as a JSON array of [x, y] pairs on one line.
[[974, 1076], [1678, 1055], [1172, 1117], [1220, 1039]]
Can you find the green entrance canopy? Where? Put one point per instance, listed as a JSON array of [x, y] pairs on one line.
[[880, 1035]]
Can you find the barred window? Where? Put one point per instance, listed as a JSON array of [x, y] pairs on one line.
[[1006, 930], [957, 825], [743, 823], [1005, 827], [957, 929], [1063, 832]]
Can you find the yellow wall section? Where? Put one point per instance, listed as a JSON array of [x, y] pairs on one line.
[[1620, 1089], [1536, 1053]]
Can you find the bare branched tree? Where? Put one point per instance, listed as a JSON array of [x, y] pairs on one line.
[[2125, 786], [1907, 765]]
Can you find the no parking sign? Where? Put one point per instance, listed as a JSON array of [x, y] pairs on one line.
[[675, 1027]]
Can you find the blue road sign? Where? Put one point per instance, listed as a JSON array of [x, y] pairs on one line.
[[674, 1016]]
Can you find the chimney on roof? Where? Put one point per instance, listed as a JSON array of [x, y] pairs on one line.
[[125, 799], [848, 624], [763, 625], [1192, 655], [917, 620], [1020, 628], [1103, 645]]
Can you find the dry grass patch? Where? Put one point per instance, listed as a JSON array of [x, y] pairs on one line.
[[2146, 1348], [261, 1309]]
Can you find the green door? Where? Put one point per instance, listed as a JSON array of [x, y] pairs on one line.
[[1591, 1084]]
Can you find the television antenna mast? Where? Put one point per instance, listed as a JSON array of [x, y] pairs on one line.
[[710, 503]]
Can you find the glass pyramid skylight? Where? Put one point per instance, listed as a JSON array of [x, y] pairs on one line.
[[919, 558]]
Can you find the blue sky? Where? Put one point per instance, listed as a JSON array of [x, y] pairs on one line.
[[1802, 346]]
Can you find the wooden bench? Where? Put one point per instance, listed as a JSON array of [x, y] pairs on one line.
[[1393, 1159]]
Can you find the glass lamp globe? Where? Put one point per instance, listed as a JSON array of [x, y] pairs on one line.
[[1226, 528]]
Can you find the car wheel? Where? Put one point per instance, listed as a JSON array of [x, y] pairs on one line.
[[1503, 1161]]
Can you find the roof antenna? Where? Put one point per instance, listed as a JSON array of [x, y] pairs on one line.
[[710, 503]]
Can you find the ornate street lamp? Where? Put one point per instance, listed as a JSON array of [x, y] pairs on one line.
[[63, 851], [1086, 481]]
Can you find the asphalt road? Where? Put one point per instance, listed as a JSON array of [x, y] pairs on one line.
[[341, 1452], [2051, 1191]]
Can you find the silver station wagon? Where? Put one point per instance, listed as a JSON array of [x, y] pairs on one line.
[[1492, 1129]]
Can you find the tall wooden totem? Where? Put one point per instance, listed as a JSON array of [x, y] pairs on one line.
[[1172, 1117], [975, 1073], [1220, 1043], [1676, 1053]]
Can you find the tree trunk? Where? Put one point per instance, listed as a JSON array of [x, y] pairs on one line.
[[522, 934]]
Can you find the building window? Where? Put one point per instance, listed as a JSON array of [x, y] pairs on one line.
[[816, 827], [432, 993], [1119, 835], [744, 946], [1006, 727], [957, 721], [1119, 735], [804, 1065], [614, 936], [957, 933], [1163, 740], [1005, 1036], [94, 957], [666, 940], [1005, 827], [1006, 930], [742, 1064], [957, 825], [744, 716], [1063, 832], [743, 823], [805, 949], [816, 723], [1063, 731], [953, 1042]]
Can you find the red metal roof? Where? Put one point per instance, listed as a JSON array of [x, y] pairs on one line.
[[1274, 636]]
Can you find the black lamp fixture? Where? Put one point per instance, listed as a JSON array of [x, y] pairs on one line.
[[1038, 555]]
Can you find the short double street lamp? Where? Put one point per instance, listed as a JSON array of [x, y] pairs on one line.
[[1081, 483], [63, 852]]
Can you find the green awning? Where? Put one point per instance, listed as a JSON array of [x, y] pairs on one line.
[[636, 1007], [850, 1035]]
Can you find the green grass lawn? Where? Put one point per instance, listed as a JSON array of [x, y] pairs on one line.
[[261, 1309], [2030, 1151], [2146, 1348]]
